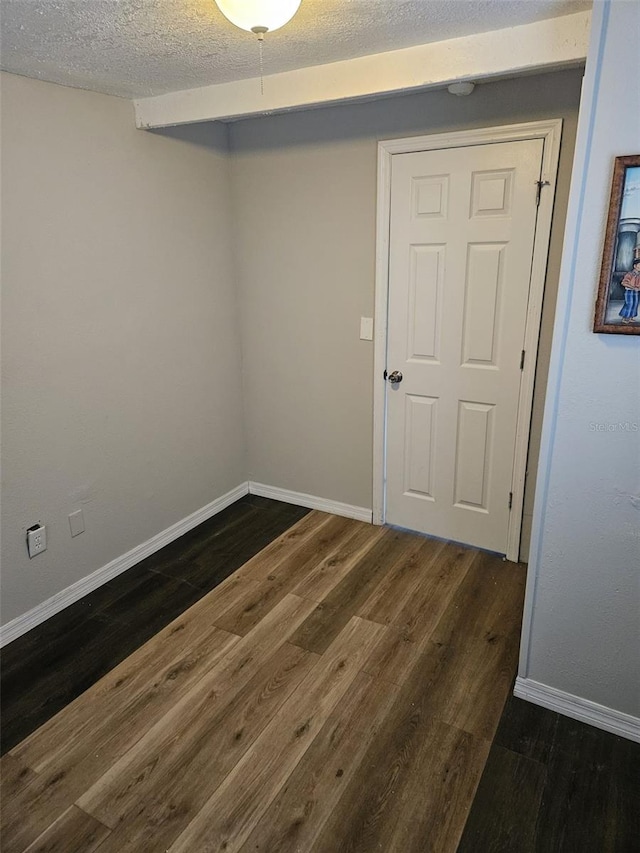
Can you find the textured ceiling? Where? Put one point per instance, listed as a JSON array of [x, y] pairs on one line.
[[148, 47]]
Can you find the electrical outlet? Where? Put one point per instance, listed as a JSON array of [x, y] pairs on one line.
[[36, 539]]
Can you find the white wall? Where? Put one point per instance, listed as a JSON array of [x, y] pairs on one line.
[[121, 380], [582, 626], [304, 191]]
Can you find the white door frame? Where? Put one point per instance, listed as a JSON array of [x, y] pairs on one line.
[[550, 131]]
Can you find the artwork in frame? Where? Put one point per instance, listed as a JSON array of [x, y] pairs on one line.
[[618, 302]]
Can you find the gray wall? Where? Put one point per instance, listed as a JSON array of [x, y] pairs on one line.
[[122, 386], [304, 195], [121, 380], [582, 614]]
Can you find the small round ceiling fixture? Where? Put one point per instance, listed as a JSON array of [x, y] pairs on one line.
[[259, 16], [461, 89]]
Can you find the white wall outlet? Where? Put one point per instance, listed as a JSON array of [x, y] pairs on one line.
[[366, 328], [76, 522], [36, 539]]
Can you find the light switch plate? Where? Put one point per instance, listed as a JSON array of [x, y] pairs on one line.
[[366, 328], [76, 522]]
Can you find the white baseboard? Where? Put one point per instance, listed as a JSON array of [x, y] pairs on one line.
[[21, 624], [360, 513], [616, 722]]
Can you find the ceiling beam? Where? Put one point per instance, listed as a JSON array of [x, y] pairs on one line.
[[544, 45]]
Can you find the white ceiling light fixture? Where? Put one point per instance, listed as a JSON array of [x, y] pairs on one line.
[[461, 89], [259, 16]]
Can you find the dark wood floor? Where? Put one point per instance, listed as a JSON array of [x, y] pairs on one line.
[[554, 784], [548, 784]]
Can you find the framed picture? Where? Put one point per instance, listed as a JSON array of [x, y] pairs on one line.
[[618, 303]]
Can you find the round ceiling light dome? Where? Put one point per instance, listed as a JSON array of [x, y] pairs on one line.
[[259, 16]]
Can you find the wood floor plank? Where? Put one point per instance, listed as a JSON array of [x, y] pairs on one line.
[[434, 820], [136, 692], [262, 564], [19, 657], [481, 628], [527, 729], [590, 801], [212, 565], [435, 693], [47, 668], [100, 643], [345, 600], [306, 801], [413, 790], [442, 573], [215, 689], [225, 596], [488, 597], [386, 807], [232, 813], [412, 618], [469, 686], [73, 831], [505, 809], [32, 810], [401, 583], [220, 532], [205, 574], [324, 528], [284, 575], [77, 747], [319, 582], [131, 698], [393, 658], [147, 599], [14, 777], [66, 780], [157, 806], [415, 785], [249, 531], [257, 543], [69, 665]]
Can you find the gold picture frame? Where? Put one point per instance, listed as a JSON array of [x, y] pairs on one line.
[[618, 302]]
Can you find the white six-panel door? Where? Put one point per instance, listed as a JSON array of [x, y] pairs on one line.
[[461, 244]]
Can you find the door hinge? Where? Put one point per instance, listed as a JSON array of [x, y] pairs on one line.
[[510, 499], [539, 185], [522, 360]]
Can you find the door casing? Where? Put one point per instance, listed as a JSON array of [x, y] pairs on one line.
[[550, 131]]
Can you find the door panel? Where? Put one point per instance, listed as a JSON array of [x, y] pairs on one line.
[[420, 420], [483, 285], [425, 299], [473, 454], [461, 243]]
